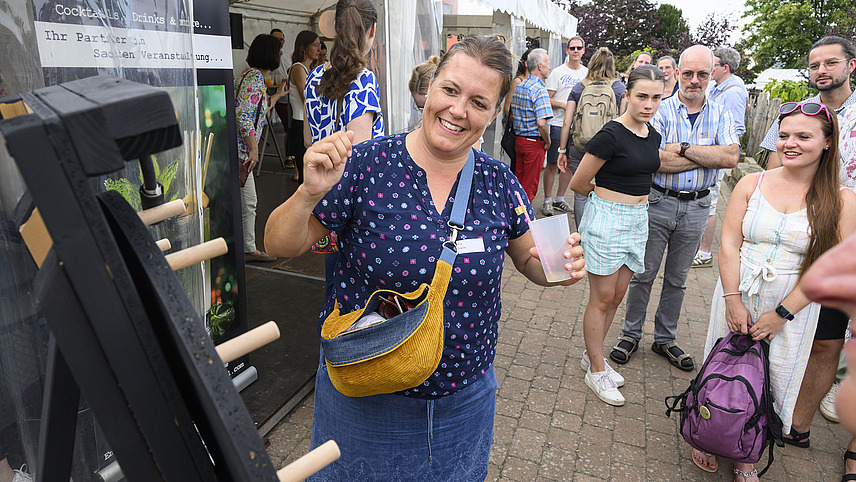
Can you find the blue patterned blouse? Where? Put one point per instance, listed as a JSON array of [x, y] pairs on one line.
[[362, 97], [390, 236]]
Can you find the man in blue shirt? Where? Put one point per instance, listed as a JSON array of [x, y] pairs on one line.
[[729, 91], [530, 111], [698, 139]]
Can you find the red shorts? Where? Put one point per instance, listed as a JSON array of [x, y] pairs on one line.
[[530, 159]]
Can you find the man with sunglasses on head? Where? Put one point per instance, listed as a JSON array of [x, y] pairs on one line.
[[559, 84], [698, 139], [831, 61]]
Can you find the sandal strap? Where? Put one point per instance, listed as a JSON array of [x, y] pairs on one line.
[[746, 475], [800, 436], [848, 454], [633, 342], [667, 348]]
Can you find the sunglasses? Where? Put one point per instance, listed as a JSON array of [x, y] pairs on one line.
[[807, 108], [575, 48]]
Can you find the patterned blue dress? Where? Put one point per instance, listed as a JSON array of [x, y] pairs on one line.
[[362, 97], [390, 234]]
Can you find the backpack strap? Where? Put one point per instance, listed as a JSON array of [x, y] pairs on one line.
[[774, 422], [722, 91]]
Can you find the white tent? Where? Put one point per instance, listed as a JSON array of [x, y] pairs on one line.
[[409, 31]]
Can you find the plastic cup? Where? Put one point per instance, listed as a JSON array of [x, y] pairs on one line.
[[551, 240]]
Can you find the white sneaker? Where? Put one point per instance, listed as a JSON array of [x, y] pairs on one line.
[[604, 387], [547, 208], [21, 475], [827, 405], [585, 364]]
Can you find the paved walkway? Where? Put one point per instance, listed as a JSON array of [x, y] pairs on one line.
[[550, 426]]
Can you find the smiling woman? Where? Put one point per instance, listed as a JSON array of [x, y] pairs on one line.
[[389, 201]]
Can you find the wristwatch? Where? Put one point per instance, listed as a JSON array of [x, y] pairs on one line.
[[684, 147], [561, 151], [784, 313]]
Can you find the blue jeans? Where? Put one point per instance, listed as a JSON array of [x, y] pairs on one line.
[[393, 437], [679, 226]]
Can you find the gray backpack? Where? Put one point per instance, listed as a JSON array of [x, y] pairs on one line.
[[595, 108]]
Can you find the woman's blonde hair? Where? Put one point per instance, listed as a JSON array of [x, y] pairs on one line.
[[601, 66], [422, 75]]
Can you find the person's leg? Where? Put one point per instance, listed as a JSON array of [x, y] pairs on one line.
[[850, 464], [550, 170], [595, 320], [660, 221], [820, 374], [747, 472], [821, 369], [574, 158], [248, 213], [690, 217], [298, 149], [707, 237], [529, 161], [621, 284]]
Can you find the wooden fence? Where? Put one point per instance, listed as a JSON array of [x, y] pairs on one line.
[[761, 112]]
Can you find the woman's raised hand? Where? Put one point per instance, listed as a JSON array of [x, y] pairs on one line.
[[324, 162]]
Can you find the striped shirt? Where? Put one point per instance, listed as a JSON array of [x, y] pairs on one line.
[[772, 136], [530, 103], [714, 126]]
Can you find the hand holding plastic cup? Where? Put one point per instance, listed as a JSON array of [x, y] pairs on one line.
[[551, 239]]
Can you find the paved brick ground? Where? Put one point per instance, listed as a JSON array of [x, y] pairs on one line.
[[550, 426]]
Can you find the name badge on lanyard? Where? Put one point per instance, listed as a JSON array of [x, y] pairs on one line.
[[474, 245]]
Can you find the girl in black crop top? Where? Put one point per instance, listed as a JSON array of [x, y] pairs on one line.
[[622, 157]]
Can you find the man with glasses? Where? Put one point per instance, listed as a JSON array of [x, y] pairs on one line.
[[559, 84], [831, 61], [730, 91], [698, 139]]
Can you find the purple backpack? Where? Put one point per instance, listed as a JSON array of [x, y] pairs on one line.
[[727, 410]]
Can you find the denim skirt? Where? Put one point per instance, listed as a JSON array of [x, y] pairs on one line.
[[392, 437], [613, 235]]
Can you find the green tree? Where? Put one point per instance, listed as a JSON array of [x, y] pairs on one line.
[[621, 25], [672, 27], [781, 32]]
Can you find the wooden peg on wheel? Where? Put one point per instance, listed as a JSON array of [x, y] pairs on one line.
[[164, 211], [197, 254], [163, 244], [322, 456], [247, 342]]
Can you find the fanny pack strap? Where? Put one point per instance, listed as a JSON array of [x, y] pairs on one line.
[[459, 209]]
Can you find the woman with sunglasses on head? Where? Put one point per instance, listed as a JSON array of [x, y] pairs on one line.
[[622, 156], [776, 225]]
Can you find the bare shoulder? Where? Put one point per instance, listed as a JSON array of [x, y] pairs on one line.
[[848, 197], [747, 184]]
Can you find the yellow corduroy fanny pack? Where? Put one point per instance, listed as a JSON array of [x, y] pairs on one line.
[[367, 353]]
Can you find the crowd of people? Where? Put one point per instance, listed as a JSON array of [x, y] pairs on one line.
[[644, 153]]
